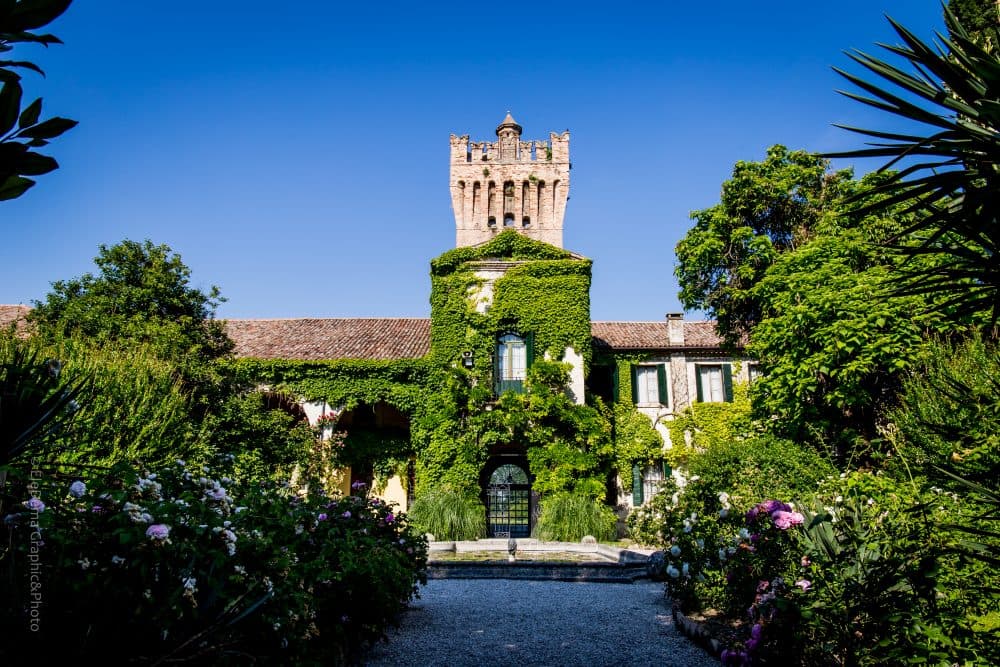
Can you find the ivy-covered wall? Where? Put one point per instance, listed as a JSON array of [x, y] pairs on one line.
[[400, 383], [546, 292], [456, 419], [543, 294]]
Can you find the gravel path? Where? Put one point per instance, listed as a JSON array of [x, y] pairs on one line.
[[500, 622]]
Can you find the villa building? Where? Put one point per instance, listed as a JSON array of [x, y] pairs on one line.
[[507, 297]]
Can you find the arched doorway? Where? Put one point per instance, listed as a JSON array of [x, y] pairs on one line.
[[507, 491]]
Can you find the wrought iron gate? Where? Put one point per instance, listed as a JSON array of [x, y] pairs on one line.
[[508, 502]]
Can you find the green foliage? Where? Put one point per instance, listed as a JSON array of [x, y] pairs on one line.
[[636, 442], [349, 383], [408, 385], [951, 92], [167, 566], [141, 293], [980, 19], [568, 444], [506, 245], [568, 517], [767, 208], [760, 466], [142, 296], [266, 443], [449, 515], [36, 400], [832, 345], [134, 408], [21, 130], [886, 587], [949, 413], [709, 426], [545, 294]]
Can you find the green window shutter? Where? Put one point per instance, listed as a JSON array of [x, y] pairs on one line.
[[697, 384], [635, 383], [667, 470], [727, 382], [529, 355], [496, 369], [661, 382], [615, 391], [636, 485]]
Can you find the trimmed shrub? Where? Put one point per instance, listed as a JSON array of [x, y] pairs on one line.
[[567, 517], [449, 515]]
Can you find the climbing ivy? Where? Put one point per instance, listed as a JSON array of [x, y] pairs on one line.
[[637, 441], [545, 293], [455, 419], [349, 383], [702, 425]]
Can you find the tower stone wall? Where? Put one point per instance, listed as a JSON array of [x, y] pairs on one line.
[[509, 184]]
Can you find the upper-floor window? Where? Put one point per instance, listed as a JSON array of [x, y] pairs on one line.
[[512, 361], [754, 372], [714, 382], [649, 385]]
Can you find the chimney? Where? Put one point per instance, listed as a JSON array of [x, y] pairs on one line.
[[675, 329]]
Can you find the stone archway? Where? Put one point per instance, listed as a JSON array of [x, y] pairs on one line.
[[506, 485]]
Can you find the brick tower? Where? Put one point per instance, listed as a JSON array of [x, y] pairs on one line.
[[509, 184]]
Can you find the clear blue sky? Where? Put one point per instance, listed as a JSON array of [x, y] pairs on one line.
[[296, 154]]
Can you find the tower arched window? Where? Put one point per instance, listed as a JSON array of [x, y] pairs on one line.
[[512, 359], [508, 220]]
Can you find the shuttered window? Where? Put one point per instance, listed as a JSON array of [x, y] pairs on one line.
[[714, 383], [649, 385], [647, 481]]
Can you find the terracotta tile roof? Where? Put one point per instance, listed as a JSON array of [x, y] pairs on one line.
[[630, 335], [653, 335], [10, 314], [701, 334], [332, 338], [401, 337]]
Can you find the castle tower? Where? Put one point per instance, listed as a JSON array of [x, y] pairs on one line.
[[509, 184]]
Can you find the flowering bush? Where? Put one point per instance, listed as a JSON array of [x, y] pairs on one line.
[[759, 551], [170, 565], [687, 523]]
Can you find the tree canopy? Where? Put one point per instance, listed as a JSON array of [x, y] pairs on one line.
[[767, 208], [141, 293]]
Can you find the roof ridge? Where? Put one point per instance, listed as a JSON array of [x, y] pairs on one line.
[[294, 319]]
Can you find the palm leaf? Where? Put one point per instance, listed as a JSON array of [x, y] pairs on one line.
[[955, 190]]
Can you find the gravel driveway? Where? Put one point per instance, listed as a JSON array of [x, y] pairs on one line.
[[499, 622]]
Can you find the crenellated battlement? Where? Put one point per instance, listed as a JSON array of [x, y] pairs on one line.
[[555, 149], [509, 183]]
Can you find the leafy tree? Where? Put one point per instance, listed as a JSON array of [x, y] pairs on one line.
[[980, 18], [951, 177], [141, 294], [767, 208], [267, 442], [832, 345], [21, 131]]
